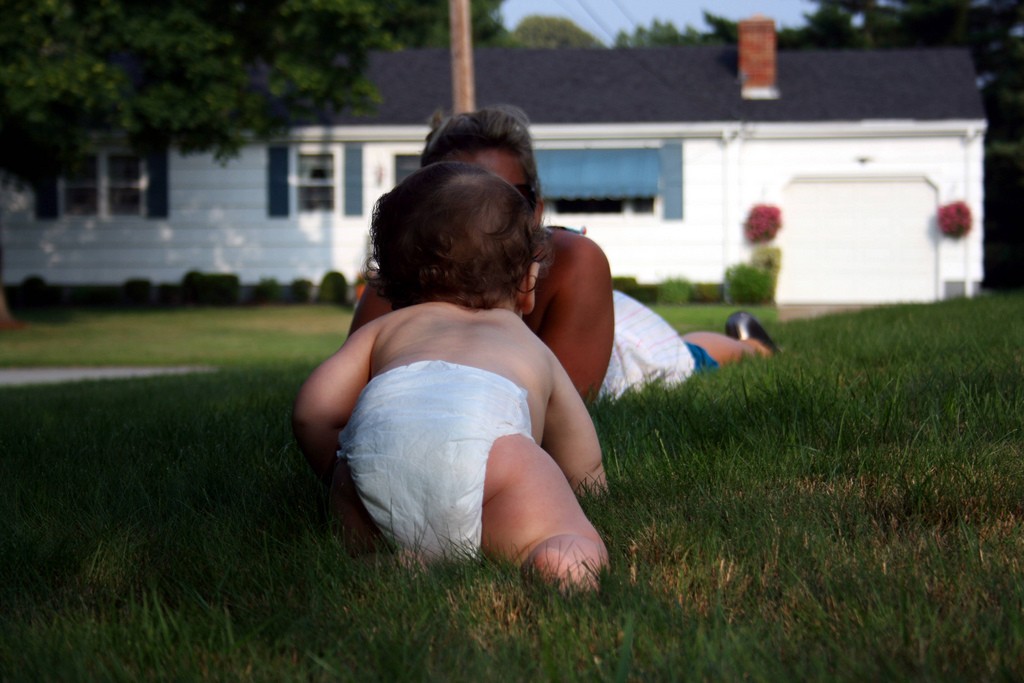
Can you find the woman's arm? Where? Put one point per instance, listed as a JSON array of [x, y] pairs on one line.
[[370, 306], [575, 313]]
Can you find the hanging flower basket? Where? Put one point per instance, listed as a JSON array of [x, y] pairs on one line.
[[763, 223], [955, 219]]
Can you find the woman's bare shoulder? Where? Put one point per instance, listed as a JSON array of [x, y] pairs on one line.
[[577, 255]]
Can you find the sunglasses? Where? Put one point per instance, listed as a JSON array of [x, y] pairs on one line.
[[528, 193]]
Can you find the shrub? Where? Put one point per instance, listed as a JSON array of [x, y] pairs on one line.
[[267, 291], [190, 286], [768, 259], [707, 293], [211, 289], [675, 291], [96, 295], [169, 295], [333, 288], [220, 289], [747, 284], [137, 291], [35, 292], [301, 290], [646, 294]]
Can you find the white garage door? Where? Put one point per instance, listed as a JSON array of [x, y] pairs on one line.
[[854, 242]]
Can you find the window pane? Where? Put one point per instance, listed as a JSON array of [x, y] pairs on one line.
[[643, 205], [81, 197], [125, 201], [316, 167], [124, 170], [405, 166], [316, 198], [80, 201], [588, 205]]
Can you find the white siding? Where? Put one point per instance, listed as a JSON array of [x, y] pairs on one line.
[[218, 218]]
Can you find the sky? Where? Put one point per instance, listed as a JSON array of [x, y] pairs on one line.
[[605, 18]]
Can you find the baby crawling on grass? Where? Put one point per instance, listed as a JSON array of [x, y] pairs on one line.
[[428, 422]]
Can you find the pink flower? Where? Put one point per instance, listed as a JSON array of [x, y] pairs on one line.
[[955, 219], [763, 222]]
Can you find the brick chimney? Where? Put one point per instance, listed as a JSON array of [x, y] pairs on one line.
[[757, 58]]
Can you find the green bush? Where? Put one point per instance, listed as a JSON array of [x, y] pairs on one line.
[[220, 289], [646, 294], [137, 291], [707, 293], [747, 284], [190, 287], [267, 291], [769, 259], [675, 291], [301, 290], [96, 295], [35, 292], [169, 295], [211, 289], [333, 289]]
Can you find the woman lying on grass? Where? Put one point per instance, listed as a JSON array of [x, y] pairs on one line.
[[606, 341], [426, 422]]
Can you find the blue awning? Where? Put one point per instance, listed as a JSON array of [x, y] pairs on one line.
[[598, 173]]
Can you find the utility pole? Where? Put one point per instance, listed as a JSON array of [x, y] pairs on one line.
[[463, 90]]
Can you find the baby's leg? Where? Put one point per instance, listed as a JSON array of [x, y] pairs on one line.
[[357, 527], [531, 515]]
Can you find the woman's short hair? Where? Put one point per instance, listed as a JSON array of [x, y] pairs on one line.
[[499, 127], [452, 232]]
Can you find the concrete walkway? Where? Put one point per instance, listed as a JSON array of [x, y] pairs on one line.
[[25, 376]]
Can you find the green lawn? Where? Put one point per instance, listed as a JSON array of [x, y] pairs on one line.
[[210, 336], [850, 510]]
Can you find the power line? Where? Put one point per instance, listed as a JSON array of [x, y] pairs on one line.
[[629, 18], [597, 20]]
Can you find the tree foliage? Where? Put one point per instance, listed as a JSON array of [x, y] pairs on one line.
[[195, 75], [721, 31], [425, 23], [192, 74], [538, 31]]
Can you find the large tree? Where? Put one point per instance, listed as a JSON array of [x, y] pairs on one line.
[[190, 74], [539, 31]]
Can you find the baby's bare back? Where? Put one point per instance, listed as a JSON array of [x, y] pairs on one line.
[[496, 340]]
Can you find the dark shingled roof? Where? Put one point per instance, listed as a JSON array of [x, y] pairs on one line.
[[680, 84]]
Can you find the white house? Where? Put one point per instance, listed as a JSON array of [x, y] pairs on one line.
[[659, 152]]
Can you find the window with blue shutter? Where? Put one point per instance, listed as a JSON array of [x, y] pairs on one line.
[[600, 180]]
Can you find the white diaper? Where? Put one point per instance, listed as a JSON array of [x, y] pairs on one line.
[[645, 348], [417, 446]]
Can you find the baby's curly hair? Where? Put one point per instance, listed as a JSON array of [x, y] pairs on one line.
[[452, 232]]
